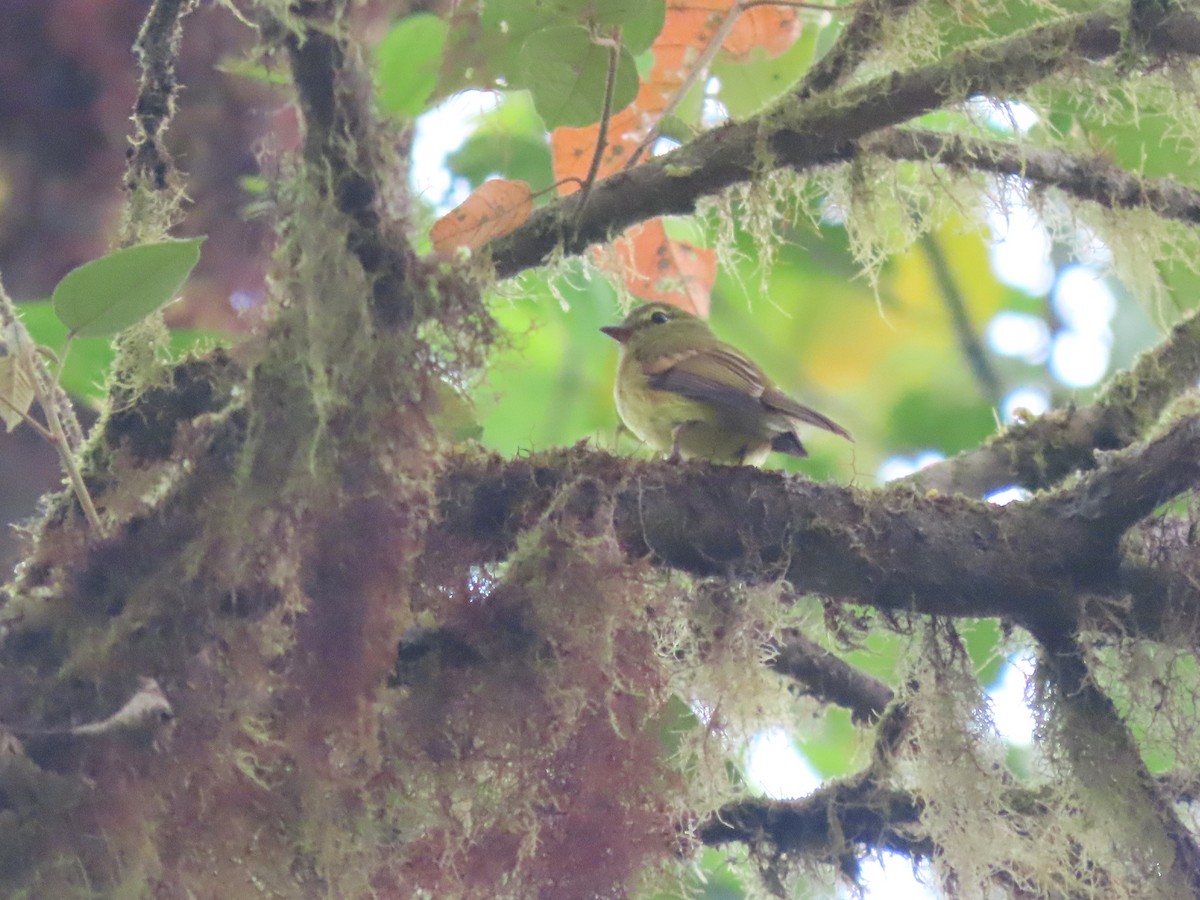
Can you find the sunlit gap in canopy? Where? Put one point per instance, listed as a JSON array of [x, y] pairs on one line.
[[1024, 403], [892, 876], [1007, 495], [439, 132], [1085, 305], [1020, 335], [1021, 245], [901, 466], [713, 112], [1013, 718], [1077, 352], [776, 767], [1011, 116]]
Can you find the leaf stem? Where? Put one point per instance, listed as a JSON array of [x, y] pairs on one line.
[[610, 83], [699, 70], [51, 397], [55, 406], [28, 419]]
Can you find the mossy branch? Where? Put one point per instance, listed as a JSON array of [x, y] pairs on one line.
[[1041, 453], [1108, 761], [1091, 178], [838, 823], [341, 148], [830, 679], [861, 36], [157, 50], [891, 549], [823, 129]]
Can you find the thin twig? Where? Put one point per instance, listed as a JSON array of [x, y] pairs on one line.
[[859, 38], [1091, 178], [610, 84], [28, 419], [47, 397], [703, 61], [70, 421], [829, 678], [968, 340], [45, 391]]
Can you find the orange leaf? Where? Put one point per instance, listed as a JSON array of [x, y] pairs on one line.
[[572, 149], [688, 28], [494, 209], [658, 268], [772, 28]]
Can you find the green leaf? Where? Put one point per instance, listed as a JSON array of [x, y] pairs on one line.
[[513, 17], [830, 747], [89, 359], [749, 86], [941, 417], [567, 73], [510, 141], [639, 29], [640, 20], [983, 638], [109, 294], [408, 60]]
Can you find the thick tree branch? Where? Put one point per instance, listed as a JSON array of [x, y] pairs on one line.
[[892, 549], [1088, 178], [825, 129], [1158, 589], [157, 49], [845, 818], [1130, 484], [830, 679], [1109, 762], [1040, 454], [339, 140]]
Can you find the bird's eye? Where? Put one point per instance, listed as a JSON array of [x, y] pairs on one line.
[[659, 318]]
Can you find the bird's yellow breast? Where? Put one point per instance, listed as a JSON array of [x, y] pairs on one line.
[[705, 430]]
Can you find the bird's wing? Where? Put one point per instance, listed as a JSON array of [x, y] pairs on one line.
[[719, 374], [773, 398], [713, 374]]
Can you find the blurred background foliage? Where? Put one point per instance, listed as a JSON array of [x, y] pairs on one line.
[[888, 354]]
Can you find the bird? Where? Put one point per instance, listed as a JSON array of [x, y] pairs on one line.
[[683, 391]]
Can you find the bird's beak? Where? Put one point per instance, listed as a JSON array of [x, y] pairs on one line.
[[619, 333]]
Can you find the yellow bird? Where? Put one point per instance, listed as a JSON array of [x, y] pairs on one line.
[[682, 390]]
